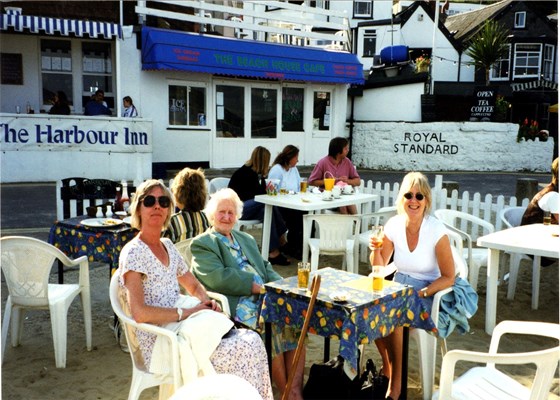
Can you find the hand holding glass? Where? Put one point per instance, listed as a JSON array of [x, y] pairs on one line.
[[376, 237]]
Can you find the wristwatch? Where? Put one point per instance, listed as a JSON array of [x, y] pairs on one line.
[[180, 313], [424, 292]]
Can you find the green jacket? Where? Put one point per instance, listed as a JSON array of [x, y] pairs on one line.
[[217, 269]]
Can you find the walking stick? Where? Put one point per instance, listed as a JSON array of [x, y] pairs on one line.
[[315, 284]]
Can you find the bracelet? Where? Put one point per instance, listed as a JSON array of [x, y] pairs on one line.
[[180, 313]]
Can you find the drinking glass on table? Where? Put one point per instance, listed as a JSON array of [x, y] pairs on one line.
[[376, 237], [303, 275]]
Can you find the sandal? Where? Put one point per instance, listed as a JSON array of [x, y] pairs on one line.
[[280, 259]]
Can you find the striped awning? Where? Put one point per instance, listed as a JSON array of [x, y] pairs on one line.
[[516, 87], [50, 26]]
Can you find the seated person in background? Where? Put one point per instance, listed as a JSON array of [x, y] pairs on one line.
[[189, 190], [534, 214], [249, 181], [229, 262], [97, 105], [150, 272], [423, 257], [60, 104], [285, 170], [339, 166], [129, 110]]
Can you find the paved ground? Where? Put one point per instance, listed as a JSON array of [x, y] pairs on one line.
[[30, 208]]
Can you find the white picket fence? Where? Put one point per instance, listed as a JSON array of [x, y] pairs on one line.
[[487, 209]]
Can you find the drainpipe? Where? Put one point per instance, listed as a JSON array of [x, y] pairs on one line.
[[351, 128], [459, 69], [118, 95]]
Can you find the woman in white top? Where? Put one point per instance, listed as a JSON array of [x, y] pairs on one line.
[[422, 255], [129, 111], [284, 168]]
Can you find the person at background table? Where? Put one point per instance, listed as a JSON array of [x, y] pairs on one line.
[[229, 262], [60, 104], [339, 166], [423, 258], [284, 169], [248, 182], [534, 214], [129, 110], [189, 191], [97, 105], [151, 270]]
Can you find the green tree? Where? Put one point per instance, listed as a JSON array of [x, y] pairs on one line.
[[488, 46]]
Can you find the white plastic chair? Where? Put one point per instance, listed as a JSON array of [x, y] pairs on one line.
[[217, 184], [379, 217], [26, 264], [511, 217], [427, 343], [487, 382], [184, 247], [461, 223], [338, 234]]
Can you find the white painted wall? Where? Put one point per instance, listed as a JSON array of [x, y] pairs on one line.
[[393, 103], [447, 146]]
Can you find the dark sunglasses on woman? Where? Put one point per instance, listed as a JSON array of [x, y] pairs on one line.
[[150, 201], [410, 195]]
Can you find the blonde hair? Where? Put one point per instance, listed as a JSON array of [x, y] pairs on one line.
[[225, 194], [141, 192], [554, 168], [259, 161], [410, 180]]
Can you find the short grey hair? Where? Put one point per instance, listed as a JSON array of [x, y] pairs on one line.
[[225, 194]]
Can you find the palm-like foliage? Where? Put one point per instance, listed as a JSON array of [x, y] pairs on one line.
[[488, 46]]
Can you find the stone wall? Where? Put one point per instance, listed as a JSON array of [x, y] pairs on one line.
[[447, 146]]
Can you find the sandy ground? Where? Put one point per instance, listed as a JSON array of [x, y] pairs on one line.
[[28, 371]]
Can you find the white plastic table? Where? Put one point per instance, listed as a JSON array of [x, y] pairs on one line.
[[537, 239], [310, 202]]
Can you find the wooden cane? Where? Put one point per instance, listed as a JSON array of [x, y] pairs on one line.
[[315, 284]]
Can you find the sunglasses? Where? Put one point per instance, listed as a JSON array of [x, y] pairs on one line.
[[150, 201], [409, 196]]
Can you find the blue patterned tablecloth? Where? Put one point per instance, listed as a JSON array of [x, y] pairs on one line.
[[365, 316], [98, 244]]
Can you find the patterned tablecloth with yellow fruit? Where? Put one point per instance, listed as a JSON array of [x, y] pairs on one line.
[[363, 317], [102, 244]]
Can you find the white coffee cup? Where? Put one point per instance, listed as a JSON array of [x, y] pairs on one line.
[[336, 191], [348, 189], [327, 195]]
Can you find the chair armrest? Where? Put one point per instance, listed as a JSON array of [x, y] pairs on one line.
[[437, 302], [223, 302]]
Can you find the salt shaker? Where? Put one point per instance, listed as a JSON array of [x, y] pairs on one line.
[[99, 213], [109, 213]]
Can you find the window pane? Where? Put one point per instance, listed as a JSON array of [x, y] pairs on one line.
[[369, 43], [292, 109], [56, 68], [230, 111], [321, 111], [263, 113], [187, 105]]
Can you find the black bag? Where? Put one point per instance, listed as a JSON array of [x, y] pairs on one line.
[[329, 381]]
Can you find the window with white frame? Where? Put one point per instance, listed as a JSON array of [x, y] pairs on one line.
[[187, 104], [56, 69], [370, 37], [264, 113], [321, 111], [292, 109], [520, 19], [527, 59], [548, 62], [230, 111], [500, 70], [363, 9]]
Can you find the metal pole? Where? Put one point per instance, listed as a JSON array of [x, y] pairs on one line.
[[436, 27]]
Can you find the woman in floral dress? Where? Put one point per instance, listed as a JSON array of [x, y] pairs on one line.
[[151, 271]]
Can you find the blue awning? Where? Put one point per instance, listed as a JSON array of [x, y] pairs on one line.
[[94, 29], [164, 49]]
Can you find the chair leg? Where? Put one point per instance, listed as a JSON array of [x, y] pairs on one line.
[[514, 262], [427, 359], [536, 282], [473, 275], [86, 307], [6, 325], [314, 260], [59, 320], [18, 315]]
